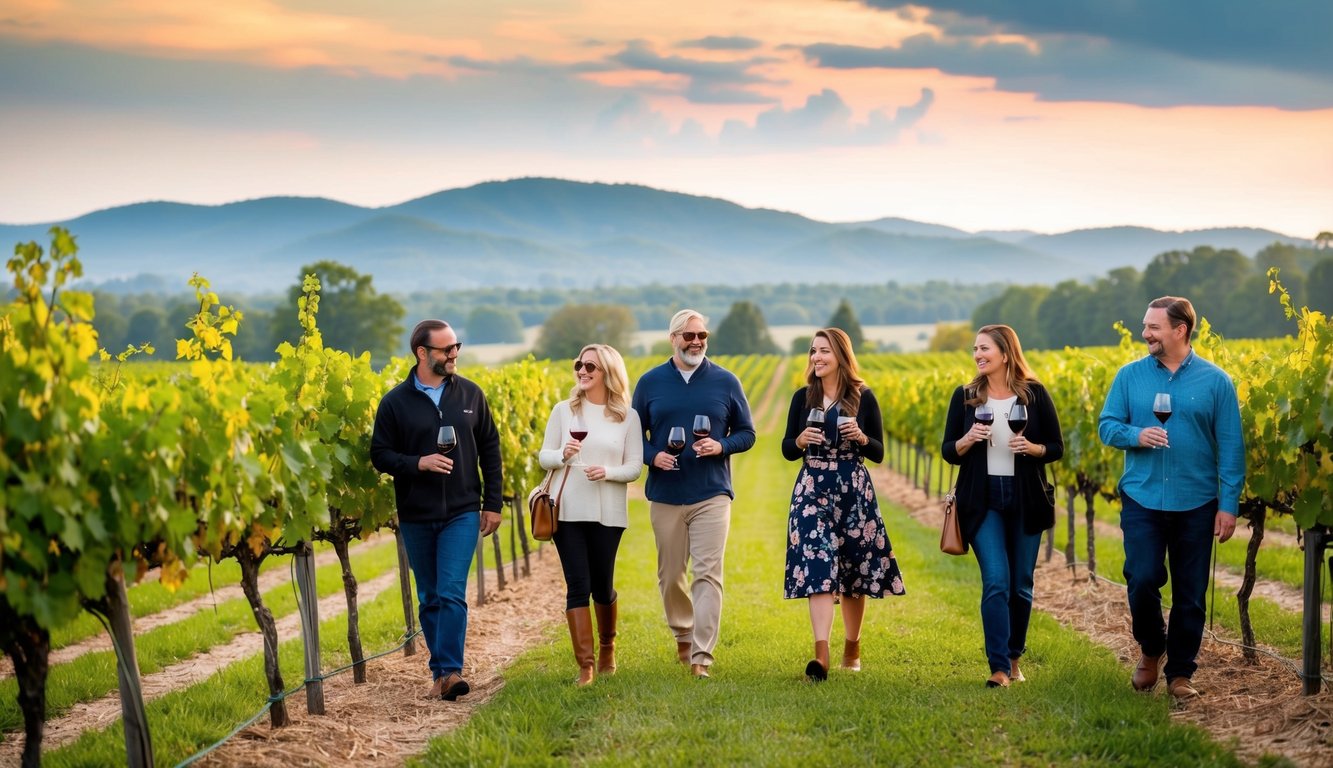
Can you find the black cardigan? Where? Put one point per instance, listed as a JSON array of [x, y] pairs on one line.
[[973, 481]]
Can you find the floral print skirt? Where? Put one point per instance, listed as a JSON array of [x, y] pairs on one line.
[[836, 542]]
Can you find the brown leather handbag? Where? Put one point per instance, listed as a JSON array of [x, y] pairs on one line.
[[545, 509], [951, 537]]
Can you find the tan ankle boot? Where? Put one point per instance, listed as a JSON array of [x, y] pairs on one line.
[[817, 669], [851, 655], [580, 635], [606, 633]]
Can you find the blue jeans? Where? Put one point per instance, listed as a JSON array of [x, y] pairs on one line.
[[440, 554], [1153, 537], [1007, 557]]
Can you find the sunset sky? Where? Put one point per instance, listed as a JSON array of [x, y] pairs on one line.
[[981, 114]]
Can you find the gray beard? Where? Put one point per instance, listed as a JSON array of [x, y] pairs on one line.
[[692, 359]]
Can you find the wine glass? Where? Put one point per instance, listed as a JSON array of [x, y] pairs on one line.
[[676, 444], [703, 427], [985, 415], [1161, 408], [578, 429], [1018, 418], [816, 419], [446, 439]]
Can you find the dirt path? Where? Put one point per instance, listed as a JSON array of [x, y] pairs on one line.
[[102, 641], [1259, 706]]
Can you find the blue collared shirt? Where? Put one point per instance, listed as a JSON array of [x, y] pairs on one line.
[[432, 392], [1206, 459]]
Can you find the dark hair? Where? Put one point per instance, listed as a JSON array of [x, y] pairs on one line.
[[849, 374], [1178, 310], [1017, 374], [421, 333]]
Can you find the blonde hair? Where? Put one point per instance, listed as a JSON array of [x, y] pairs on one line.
[[849, 373], [1017, 374], [683, 318], [614, 376]]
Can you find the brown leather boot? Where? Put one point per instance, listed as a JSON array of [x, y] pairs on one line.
[[817, 669], [606, 633], [580, 635], [851, 655], [1147, 672]]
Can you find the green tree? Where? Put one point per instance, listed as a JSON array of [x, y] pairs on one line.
[[1319, 286], [571, 327], [952, 336], [742, 332], [353, 317], [493, 325], [844, 317], [145, 327], [1016, 308]]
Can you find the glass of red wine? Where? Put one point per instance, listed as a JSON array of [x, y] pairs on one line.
[[676, 444], [578, 429], [703, 427], [985, 415], [445, 441], [1161, 408], [815, 419], [1018, 418]]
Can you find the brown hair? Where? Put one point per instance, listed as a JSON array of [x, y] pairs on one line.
[[1178, 310], [614, 377], [1017, 374], [849, 374], [421, 333]]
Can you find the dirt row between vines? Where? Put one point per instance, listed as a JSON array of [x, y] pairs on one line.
[[1255, 708]]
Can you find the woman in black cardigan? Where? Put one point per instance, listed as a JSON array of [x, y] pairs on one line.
[[1003, 505]]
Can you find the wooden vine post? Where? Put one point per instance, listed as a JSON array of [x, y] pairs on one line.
[[309, 608]]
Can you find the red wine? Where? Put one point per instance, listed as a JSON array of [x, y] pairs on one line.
[[1018, 425], [986, 418], [675, 447], [446, 447], [701, 433], [1162, 416], [578, 435]]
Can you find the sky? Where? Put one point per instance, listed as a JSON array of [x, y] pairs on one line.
[[1046, 115]]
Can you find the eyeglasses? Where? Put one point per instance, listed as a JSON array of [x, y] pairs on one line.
[[692, 335], [452, 349], [580, 365]]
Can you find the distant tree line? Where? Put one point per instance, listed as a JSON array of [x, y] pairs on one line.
[[1225, 286]]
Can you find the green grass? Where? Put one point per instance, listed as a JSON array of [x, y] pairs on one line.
[[186, 721], [93, 675], [920, 700]]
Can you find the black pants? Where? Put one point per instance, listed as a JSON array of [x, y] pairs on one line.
[[588, 557]]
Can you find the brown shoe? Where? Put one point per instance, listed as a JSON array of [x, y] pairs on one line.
[[1180, 688], [1147, 672], [580, 636], [1015, 674], [817, 670], [683, 651], [699, 671], [454, 686], [436, 688], [998, 680], [851, 655], [606, 635]]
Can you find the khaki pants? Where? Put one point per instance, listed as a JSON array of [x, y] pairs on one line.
[[692, 532]]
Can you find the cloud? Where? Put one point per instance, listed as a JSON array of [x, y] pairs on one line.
[[719, 43], [708, 82], [824, 120], [1141, 52]]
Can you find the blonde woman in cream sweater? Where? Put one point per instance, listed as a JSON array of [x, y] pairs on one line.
[[594, 439]]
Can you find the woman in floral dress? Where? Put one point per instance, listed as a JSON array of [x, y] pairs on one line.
[[837, 548]]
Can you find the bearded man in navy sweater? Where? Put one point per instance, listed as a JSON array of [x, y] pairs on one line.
[[690, 491]]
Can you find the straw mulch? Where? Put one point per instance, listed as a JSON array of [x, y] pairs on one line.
[[389, 718], [1257, 709]]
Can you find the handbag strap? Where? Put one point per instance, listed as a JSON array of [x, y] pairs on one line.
[[563, 480]]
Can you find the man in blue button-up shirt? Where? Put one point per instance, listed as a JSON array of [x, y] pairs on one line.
[[1177, 493]]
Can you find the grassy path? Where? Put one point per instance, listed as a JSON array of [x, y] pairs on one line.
[[919, 701]]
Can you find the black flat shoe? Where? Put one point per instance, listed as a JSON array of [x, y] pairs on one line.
[[815, 671], [455, 686]]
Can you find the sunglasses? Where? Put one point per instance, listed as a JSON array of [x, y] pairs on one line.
[[449, 350], [691, 335], [580, 365]]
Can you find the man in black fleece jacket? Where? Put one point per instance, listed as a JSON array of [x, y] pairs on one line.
[[442, 500]]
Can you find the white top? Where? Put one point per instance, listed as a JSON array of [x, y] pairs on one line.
[[999, 459], [618, 446]]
